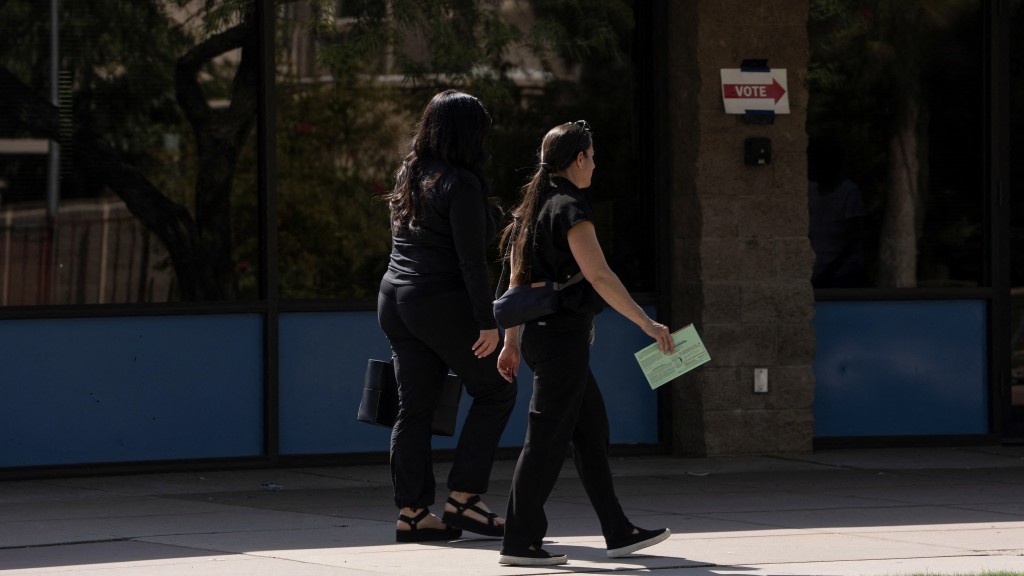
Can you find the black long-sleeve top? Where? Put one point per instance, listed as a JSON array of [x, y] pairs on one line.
[[455, 224]]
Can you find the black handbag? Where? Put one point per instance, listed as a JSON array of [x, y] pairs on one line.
[[379, 403], [530, 301]]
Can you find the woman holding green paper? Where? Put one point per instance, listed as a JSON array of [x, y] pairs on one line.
[[552, 237]]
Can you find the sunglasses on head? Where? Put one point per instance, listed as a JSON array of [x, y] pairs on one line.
[[582, 124]]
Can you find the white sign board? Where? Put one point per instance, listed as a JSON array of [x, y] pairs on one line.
[[744, 91]]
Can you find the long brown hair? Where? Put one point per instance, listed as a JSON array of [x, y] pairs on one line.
[[560, 147], [452, 130]]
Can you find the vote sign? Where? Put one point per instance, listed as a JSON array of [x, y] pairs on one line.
[[762, 91]]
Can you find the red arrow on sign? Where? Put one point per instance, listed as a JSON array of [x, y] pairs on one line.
[[774, 91]]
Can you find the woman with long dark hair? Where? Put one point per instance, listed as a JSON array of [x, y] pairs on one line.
[[552, 237], [435, 309]]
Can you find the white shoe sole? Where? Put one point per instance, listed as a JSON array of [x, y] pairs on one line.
[[619, 552], [526, 561]]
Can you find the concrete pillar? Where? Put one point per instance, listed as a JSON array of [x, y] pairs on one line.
[[741, 258]]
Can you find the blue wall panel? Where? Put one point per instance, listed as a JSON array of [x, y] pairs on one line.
[[98, 390], [900, 368], [78, 391], [323, 357]]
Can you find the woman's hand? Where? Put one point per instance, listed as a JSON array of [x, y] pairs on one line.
[[661, 335], [508, 361], [486, 343]]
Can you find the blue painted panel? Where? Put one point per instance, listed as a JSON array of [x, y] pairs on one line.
[[322, 360], [323, 356], [900, 368], [79, 391]]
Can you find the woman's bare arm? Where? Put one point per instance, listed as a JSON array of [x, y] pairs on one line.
[[588, 254]]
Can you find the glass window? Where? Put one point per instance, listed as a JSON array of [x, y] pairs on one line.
[[354, 76], [896, 162], [127, 170], [1016, 240]]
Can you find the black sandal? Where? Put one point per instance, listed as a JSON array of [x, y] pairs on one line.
[[415, 534], [459, 520]]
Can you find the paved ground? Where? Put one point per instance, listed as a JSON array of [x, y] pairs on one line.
[[885, 512]]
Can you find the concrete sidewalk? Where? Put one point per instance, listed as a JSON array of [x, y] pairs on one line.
[[886, 512]]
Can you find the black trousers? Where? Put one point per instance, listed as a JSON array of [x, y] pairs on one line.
[[566, 408], [432, 329]]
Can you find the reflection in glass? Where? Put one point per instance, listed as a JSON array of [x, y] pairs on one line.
[[835, 206], [151, 105], [899, 86], [354, 75]]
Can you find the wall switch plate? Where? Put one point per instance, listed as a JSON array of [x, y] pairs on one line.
[[760, 380]]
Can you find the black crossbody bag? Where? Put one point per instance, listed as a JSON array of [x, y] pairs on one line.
[[527, 302]]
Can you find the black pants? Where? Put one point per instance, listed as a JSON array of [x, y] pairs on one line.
[[432, 329], [566, 408]]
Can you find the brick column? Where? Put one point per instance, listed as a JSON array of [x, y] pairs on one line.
[[741, 258]]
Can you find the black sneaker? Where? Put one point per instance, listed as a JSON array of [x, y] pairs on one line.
[[633, 542], [530, 557]]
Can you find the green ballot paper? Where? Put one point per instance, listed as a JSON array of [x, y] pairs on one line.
[[660, 368]]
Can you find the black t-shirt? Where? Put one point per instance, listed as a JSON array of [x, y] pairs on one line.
[[456, 223], [563, 206]]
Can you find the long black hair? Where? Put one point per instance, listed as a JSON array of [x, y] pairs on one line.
[[560, 148], [451, 130]]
